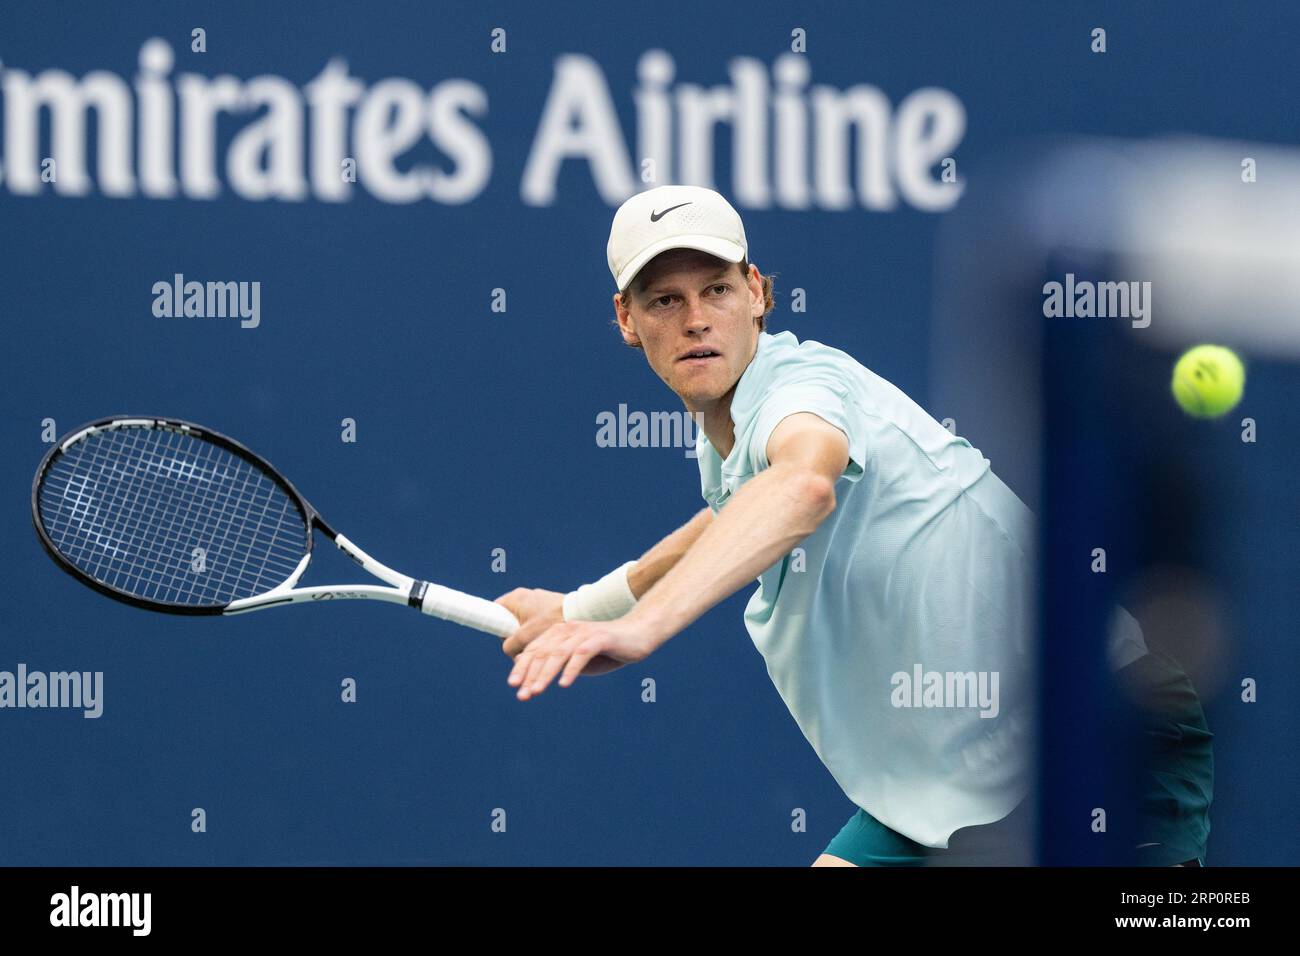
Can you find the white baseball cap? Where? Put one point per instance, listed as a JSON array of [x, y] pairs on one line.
[[672, 217]]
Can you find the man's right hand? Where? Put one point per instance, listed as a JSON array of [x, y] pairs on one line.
[[536, 609]]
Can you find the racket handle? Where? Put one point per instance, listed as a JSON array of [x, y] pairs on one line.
[[468, 611]]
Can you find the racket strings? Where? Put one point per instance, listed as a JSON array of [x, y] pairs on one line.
[[165, 516]]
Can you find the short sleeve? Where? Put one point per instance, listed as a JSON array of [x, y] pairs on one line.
[[820, 399]]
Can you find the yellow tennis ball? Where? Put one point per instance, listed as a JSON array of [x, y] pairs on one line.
[[1208, 381]]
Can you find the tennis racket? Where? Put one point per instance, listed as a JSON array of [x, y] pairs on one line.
[[171, 516]]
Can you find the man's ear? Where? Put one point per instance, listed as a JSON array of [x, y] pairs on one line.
[[755, 276], [624, 317]]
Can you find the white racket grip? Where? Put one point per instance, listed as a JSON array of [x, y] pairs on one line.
[[468, 611]]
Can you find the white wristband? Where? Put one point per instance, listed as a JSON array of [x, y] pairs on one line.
[[609, 598]]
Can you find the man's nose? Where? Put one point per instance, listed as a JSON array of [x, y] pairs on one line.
[[696, 316]]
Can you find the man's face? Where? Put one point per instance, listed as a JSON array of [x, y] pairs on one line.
[[696, 318]]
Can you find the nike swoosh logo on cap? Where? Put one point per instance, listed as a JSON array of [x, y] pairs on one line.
[[656, 216]]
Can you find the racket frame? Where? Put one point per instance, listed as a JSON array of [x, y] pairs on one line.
[[432, 599]]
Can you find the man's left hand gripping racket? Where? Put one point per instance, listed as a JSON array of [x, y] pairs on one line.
[[171, 516]]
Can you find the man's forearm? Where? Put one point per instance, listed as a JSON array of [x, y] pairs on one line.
[[660, 559], [761, 523]]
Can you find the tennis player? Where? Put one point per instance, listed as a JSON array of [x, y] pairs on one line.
[[894, 567]]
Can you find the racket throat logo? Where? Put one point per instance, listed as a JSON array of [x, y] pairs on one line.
[[342, 595]]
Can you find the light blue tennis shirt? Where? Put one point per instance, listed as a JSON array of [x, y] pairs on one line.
[[898, 633]]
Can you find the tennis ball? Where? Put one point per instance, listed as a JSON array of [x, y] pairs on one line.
[[1208, 381]]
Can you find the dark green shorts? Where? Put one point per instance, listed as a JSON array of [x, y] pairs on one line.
[[1173, 816], [865, 841]]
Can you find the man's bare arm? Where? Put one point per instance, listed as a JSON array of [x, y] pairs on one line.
[[660, 559], [762, 522], [537, 609]]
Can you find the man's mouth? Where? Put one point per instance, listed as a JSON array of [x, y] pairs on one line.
[[699, 355]]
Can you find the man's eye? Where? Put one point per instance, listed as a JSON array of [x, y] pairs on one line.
[[663, 299], [723, 286]]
